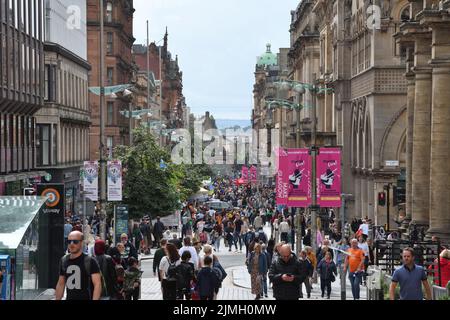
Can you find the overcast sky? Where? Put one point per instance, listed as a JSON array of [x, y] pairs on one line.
[[217, 43]]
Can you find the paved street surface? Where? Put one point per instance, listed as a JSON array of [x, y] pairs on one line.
[[237, 284]]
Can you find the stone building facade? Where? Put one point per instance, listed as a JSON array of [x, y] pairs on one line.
[[270, 69], [424, 36], [169, 78], [363, 109], [118, 69]]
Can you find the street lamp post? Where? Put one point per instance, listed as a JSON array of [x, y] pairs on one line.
[[314, 90], [102, 174], [313, 151]]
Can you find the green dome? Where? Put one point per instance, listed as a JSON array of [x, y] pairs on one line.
[[268, 58]]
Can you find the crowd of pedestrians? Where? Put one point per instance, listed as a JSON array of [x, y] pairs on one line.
[[189, 268]]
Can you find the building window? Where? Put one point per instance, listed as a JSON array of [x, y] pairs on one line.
[[109, 11], [43, 144], [109, 43], [110, 114], [110, 73], [50, 83]]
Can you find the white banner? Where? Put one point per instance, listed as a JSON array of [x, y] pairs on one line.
[[114, 180], [90, 181]]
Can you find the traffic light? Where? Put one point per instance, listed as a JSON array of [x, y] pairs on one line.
[[382, 199]]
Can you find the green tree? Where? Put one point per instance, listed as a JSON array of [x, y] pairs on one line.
[[150, 189], [147, 187]]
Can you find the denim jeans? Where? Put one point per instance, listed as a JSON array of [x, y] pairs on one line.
[[217, 243], [264, 283], [355, 281], [237, 237]]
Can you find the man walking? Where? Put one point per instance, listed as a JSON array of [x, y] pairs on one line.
[[158, 230], [284, 230], [411, 277], [159, 254], [355, 262], [194, 255], [79, 273], [286, 275]]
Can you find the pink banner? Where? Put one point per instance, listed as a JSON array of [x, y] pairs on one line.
[[329, 178], [244, 174], [253, 174], [299, 178], [282, 178]]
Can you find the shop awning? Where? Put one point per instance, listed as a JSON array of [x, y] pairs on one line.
[[16, 214], [22, 176]]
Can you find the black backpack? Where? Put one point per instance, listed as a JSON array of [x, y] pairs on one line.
[[172, 271]]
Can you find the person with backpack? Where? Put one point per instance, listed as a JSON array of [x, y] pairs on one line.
[[107, 271], [186, 275], [79, 274], [207, 280], [248, 238], [119, 272], [132, 281], [169, 272]]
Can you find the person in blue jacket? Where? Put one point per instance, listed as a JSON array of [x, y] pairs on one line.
[[207, 280]]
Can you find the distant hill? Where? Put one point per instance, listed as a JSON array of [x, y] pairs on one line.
[[229, 123]]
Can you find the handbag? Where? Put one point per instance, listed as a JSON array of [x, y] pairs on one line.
[[333, 278]]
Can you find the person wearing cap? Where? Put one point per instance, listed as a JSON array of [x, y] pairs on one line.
[[107, 271], [130, 250]]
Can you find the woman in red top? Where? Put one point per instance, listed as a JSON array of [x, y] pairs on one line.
[[444, 258]]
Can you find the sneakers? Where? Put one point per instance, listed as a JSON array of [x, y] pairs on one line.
[[266, 296], [309, 296]]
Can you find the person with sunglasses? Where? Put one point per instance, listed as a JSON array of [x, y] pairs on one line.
[[79, 273]]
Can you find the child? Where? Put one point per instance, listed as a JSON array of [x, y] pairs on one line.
[[207, 280], [132, 281]]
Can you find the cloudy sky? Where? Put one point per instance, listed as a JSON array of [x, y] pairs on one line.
[[217, 43]]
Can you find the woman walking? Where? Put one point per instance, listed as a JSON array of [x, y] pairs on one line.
[[168, 268], [257, 267], [327, 271]]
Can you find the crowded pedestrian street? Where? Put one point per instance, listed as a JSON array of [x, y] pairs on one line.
[[259, 152]]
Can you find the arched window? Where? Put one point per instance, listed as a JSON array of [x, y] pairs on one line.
[[405, 15]]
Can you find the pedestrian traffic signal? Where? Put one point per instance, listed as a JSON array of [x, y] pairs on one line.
[[382, 199]]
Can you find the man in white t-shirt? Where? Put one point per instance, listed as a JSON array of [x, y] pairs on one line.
[[364, 227], [188, 247]]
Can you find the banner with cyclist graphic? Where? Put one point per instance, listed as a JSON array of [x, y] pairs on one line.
[[329, 178]]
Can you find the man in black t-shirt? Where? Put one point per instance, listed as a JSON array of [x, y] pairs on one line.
[[78, 273]]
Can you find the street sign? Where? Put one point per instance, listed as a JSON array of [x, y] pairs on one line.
[[120, 222], [392, 163]]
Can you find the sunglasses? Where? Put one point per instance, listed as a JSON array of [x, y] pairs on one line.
[[73, 241]]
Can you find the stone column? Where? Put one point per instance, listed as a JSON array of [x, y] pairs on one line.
[[440, 136], [422, 133], [411, 91], [357, 195], [364, 204]]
